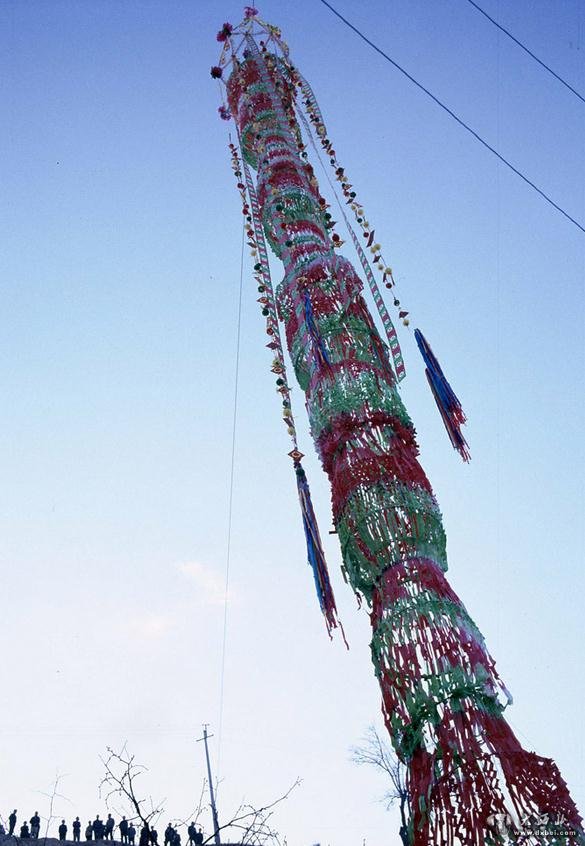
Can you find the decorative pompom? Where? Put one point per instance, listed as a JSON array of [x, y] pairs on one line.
[[224, 113], [250, 12], [216, 72], [225, 32]]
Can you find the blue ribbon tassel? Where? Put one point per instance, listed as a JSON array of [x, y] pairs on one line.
[[446, 399]]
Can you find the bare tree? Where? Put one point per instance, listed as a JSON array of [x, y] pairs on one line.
[[120, 780], [376, 752], [252, 824], [52, 796]]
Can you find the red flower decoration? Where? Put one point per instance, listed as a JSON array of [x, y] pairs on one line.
[[216, 72], [225, 32], [224, 113], [250, 12]]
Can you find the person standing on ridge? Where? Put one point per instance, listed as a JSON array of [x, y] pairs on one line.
[[76, 829], [131, 834], [35, 826], [89, 830], [63, 830], [12, 822], [123, 826], [98, 828], [110, 827]]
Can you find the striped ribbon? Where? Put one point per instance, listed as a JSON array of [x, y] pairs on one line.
[[389, 327]]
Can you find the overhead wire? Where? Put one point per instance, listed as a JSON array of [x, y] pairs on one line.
[[527, 50], [455, 117]]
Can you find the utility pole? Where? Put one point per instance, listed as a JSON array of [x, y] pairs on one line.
[[213, 808]]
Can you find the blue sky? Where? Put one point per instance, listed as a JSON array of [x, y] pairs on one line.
[[120, 278]]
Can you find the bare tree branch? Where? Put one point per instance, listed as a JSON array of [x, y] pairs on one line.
[[51, 796], [122, 773], [253, 823], [377, 753], [121, 780]]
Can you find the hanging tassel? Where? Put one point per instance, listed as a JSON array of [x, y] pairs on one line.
[[315, 554], [447, 403]]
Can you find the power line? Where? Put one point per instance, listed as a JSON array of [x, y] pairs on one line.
[[454, 116], [526, 50]]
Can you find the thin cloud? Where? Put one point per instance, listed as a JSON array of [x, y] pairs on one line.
[[149, 627], [209, 583]]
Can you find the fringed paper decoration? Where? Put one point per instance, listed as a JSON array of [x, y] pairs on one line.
[[319, 348], [447, 402], [443, 701]]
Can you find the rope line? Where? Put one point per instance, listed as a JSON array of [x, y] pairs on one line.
[[526, 50], [230, 509], [455, 117]]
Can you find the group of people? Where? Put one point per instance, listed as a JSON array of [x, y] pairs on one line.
[[26, 833], [103, 830]]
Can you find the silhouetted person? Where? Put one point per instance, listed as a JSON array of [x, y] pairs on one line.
[[176, 839], [88, 830], [110, 827], [123, 826], [131, 834], [62, 831], [76, 829], [169, 831], [154, 837], [35, 825], [98, 828], [199, 838], [24, 832], [12, 822], [192, 832], [144, 836]]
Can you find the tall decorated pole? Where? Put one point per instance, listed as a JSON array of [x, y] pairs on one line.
[[443, 700]]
